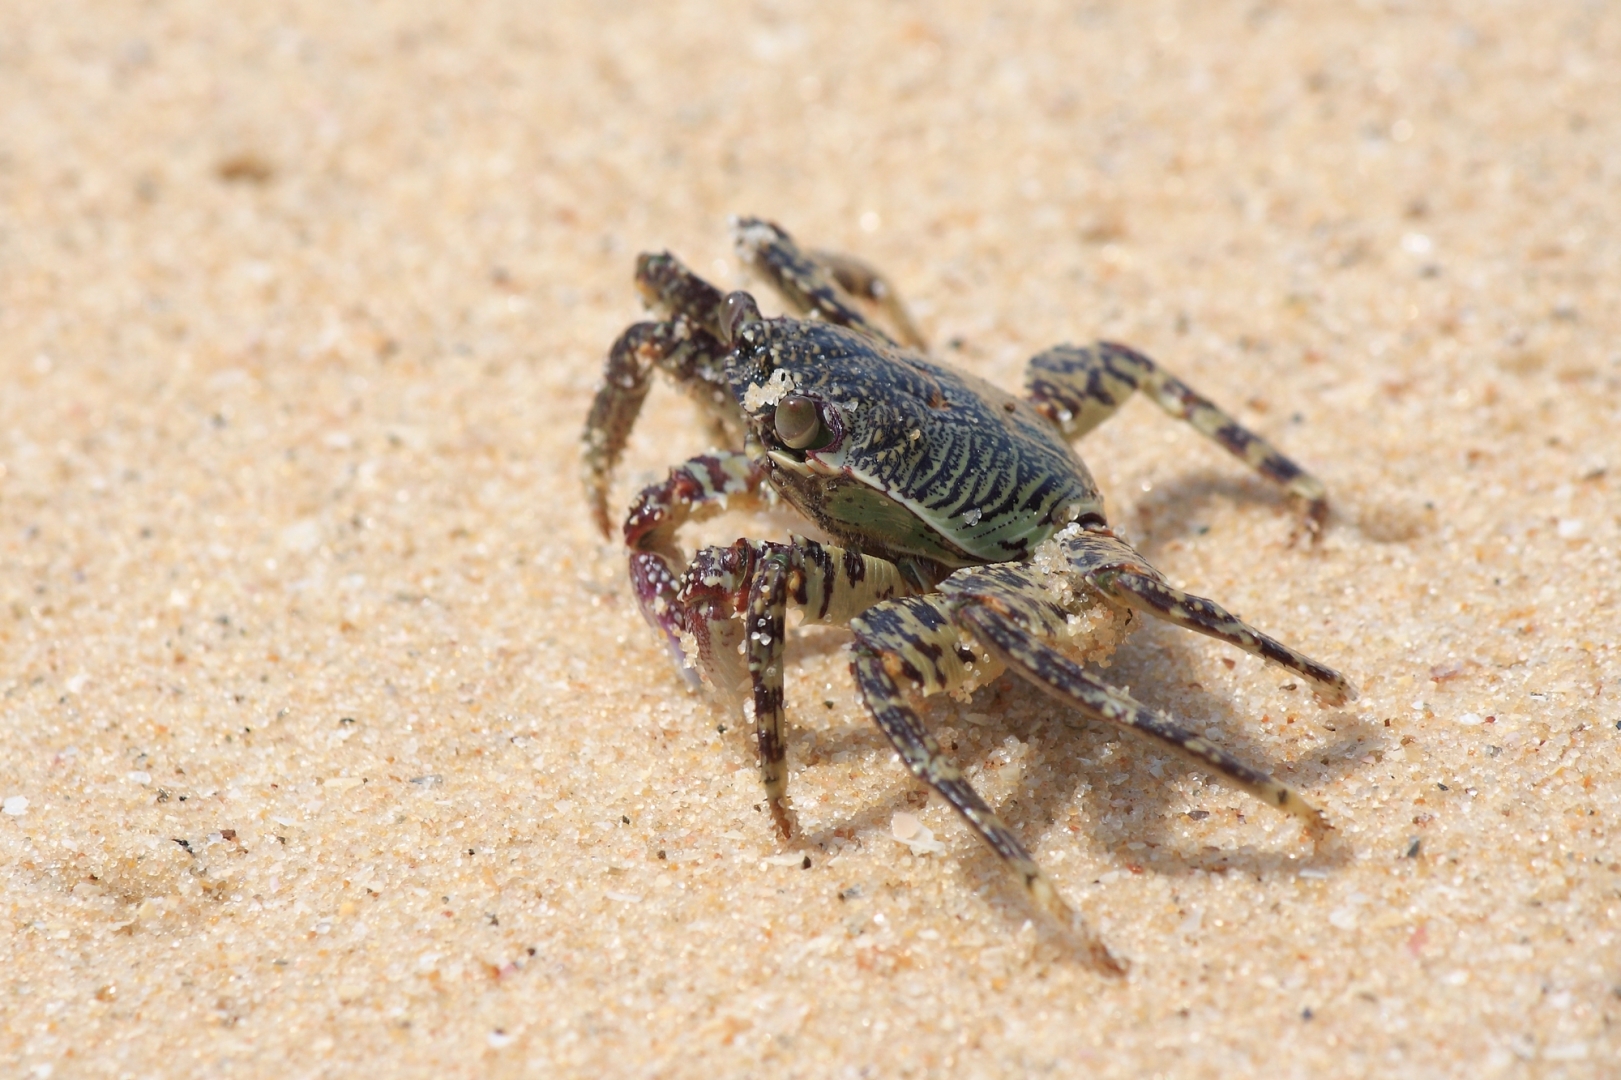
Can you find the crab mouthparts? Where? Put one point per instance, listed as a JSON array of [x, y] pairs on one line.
[[811, 465]]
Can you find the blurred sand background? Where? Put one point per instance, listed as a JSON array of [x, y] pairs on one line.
[[334, 742]]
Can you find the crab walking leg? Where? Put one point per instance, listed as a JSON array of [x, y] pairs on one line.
[[1079, 387], [828, 583], [804, 283], [1110, 565], [764, 630], [669, 287], [625, 382], [692, 357], [1011, 615], [862, 279], [914, 639]]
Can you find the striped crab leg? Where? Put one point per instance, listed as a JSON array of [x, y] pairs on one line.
[[1014, 617], [758, 580], [913, 647], [1079, 387], [1115, 569], [692, 358], [863, 280], [687, 347], [820, 284], [985, 619]]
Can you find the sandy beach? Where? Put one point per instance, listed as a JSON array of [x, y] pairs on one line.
[[335, 743]]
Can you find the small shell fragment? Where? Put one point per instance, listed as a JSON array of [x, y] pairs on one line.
[[909, 830]]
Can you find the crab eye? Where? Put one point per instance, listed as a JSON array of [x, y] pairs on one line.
[[738, 309], [799, 424]]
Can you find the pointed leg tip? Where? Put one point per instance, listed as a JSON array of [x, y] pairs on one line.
[[1107, 962], [783, 816], [596, 504], [1311, 525], [1318, 828], [1312, 821], [1073, 928], [1334, 694], [1097, 955]]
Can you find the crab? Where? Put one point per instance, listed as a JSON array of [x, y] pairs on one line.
[[964, 535]]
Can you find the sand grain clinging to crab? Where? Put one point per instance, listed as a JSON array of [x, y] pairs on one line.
[[968, 538]]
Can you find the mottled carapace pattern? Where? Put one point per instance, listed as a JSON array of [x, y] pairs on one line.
[[967, 536]]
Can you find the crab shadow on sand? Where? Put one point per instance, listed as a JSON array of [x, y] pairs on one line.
[[1159, 781], [1335, 740], [1180, 508], [1156, 778]]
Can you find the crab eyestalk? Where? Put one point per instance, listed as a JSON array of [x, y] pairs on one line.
[[737, 311]]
